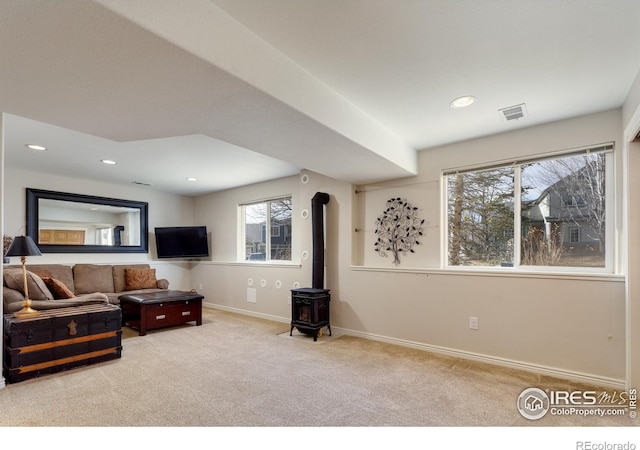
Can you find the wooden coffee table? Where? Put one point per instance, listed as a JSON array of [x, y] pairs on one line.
[[162, 309]]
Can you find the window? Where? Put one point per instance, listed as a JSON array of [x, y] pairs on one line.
[[104, 236], [266, 230], [557, 204], [574, 200], [574, 235]]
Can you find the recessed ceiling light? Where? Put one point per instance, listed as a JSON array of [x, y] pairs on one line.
[[108, 161], [191, 179], [463, 102], [40, 148]]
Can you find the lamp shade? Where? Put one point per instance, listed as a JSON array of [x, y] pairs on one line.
[[23, 246]]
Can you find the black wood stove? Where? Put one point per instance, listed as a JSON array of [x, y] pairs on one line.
[[310, 311], [310, 306]]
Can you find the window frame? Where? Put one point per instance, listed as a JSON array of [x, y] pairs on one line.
[[610, 249], [578, 233], [242, 228]]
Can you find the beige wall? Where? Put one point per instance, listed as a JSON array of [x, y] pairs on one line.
[[632, 311], [632, 102], [631, 260], [164, 210], [566, 325]]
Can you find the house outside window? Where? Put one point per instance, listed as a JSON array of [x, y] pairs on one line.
[[558, 204], [266, 230], [574, 235]]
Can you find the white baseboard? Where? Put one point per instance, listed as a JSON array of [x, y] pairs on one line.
[[245, 312], [555, 372]]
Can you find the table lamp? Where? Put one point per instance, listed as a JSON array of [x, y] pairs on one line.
[[24, 246]]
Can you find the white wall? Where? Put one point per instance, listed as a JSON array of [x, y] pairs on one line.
[[224, 281], [425, 190], [564, 323], [164, 210], [632, 102], [571, 326], [631, 124]]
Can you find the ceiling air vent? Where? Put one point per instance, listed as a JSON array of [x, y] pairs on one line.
[[513, 112]]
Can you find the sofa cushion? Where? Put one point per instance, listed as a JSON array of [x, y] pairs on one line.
[[89, 278], [12, 299], [58, 289], [119, 281], [57, 271], [14, 279], [139, 279]]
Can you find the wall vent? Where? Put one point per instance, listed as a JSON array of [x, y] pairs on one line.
[[513, 112], [140, 183]]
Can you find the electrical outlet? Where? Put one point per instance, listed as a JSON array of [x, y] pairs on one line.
[[473, 323]]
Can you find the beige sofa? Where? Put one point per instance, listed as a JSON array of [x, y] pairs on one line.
[[59, 286]]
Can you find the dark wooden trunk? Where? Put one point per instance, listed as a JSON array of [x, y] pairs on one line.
[[60, 339]]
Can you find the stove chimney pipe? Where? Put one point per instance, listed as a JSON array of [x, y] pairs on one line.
[[317, 212]]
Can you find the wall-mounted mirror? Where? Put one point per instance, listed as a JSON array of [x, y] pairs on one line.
[[61, 222]]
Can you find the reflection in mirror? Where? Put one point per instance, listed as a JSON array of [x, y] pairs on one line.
[[61, 222], [73, 223]]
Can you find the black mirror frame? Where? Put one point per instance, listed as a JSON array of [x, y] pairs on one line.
[[33, 195]]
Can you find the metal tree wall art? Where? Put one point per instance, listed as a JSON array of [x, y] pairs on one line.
[[398, 229]]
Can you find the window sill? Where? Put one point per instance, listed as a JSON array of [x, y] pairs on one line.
[[506, 273], [280, 264]]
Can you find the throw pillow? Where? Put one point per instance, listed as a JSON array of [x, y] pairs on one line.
[[42, 274], [58, 288], [13, 278], [139, 279], [119, 283]]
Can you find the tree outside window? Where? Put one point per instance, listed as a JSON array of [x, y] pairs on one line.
[[267, 230], [557, 204], [480, 213]]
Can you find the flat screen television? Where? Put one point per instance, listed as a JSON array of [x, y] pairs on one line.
[[182, 242]]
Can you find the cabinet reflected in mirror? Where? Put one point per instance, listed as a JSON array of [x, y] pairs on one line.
[[62, 222]]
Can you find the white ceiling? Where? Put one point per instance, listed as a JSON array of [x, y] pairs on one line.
[[234, 92]]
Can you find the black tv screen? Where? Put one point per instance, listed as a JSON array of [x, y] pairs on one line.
[[182, 242]]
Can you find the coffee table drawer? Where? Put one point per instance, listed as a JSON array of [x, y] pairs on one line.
[[175, 313]]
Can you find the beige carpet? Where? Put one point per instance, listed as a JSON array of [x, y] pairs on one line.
[[238, 371]]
